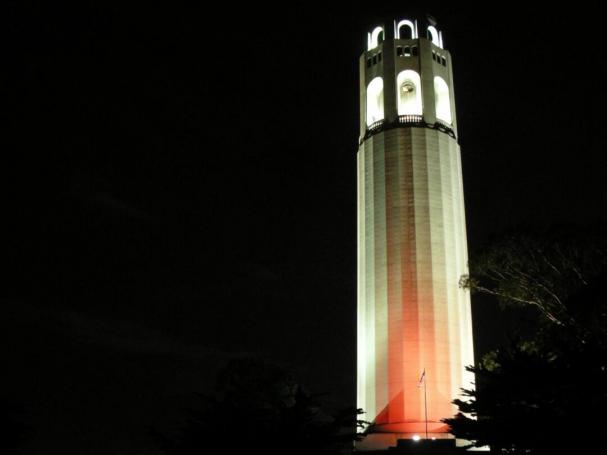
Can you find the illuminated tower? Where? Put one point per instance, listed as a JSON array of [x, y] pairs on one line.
[[412, 315]]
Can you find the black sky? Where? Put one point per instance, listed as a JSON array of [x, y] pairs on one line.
[[179, 187]]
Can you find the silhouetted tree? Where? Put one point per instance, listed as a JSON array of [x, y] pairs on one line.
[[530, 401], [543, 271], [547, 391], [259, 406]]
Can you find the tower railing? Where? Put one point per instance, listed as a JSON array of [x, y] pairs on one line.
[[376, 126], [406, 121], [409, 119], [442, 126]]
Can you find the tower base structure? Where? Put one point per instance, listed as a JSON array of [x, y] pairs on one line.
[[408, 443], [377, 442], [439, 444]]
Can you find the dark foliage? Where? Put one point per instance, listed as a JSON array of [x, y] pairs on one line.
[[546, 391], [544, 271], [258, 406], [533, 402]]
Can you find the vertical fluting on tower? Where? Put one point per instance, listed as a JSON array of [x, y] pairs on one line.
[[412, 314]]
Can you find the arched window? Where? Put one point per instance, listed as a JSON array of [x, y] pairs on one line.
[[375, 37], [375, 101], [408, 84], [442, 100], [405, 29], [434, 36]]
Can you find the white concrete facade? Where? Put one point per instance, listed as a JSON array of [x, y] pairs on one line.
[[412, 250]]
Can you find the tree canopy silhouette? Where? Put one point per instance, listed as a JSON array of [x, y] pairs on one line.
[[259, 405], [545, 391], [544, 271]]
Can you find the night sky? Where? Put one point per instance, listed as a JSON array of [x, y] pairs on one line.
[[180, 188]]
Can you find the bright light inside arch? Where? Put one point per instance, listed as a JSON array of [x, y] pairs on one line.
[[408, 84], [416, 437], [373, 38], [434, 36], [407, 23], [442, 100], [375, 101]]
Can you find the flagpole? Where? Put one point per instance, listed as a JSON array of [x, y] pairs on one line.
[[425, 404], [419, 384]]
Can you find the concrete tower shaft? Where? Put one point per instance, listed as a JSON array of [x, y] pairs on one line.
[[412, 315]]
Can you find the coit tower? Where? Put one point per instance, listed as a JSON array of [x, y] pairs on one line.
[[414, 321]]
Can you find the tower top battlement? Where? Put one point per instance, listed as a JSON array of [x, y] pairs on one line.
[[406, 78], [406, 28]]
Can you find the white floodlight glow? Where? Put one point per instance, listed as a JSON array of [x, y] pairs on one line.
[[416, 437], [442, 100], [375, 101], [434, 36], [407, 23], [373, 38], [408, 84]]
